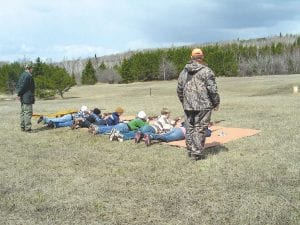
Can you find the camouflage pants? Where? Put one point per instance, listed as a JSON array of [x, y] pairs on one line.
[[26, 114], [196, 125]]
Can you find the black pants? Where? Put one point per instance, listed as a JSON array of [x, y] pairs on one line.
[[196, 125]]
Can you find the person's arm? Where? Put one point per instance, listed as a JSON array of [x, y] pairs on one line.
[[97, 118], [180, 85], [110, 120], [23, 85], [116, 118], [212, 89], [165, 122]]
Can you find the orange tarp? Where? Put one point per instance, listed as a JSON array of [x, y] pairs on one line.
[[221, 135]]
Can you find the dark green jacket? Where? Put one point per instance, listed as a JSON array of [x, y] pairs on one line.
[[25, 88]]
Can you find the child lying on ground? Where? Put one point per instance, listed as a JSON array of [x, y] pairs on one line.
[[175, 134], [66, 120], [114, 130]]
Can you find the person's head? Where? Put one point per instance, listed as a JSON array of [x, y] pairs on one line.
[[142, 115], [84, 108], [165, 111], [178, 121], [197, 55], [29, 67], [119, 110], [97, 111]]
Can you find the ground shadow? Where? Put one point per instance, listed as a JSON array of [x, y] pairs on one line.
[[70, 97], [59, 98], [216, 122], [36, 130], [213, 150]]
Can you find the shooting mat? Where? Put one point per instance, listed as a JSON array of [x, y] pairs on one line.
[[221, 135]]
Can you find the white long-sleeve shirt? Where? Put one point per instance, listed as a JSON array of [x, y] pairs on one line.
[[162, 124]]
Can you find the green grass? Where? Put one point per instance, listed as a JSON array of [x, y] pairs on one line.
[[62, 176]]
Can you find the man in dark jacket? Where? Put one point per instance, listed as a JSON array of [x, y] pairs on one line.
[[198, 93], [25, 92]]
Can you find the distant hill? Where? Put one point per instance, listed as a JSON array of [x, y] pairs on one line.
[[266, 55], [76, 66]]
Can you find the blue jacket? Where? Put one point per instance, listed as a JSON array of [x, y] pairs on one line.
[[113, 119], [94, 118]]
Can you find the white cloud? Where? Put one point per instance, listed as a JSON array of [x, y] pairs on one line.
[[80, 28], [77, 51]]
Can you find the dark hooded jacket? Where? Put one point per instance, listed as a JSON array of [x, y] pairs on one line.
[[197, 88], [26, 88]]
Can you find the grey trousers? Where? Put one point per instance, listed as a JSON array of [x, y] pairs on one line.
[[26, 114]]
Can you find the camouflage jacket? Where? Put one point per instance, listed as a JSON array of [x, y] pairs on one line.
[[197, 88]]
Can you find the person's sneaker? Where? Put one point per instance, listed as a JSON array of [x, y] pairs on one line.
[[91, 129], [74, 126], [120, 137], [138, 137], [113, 135], [51, 124], [94, 129], [114, 138], [40, 119], [147, 139]]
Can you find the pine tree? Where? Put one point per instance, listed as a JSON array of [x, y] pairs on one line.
[[61, 81], [38, 68], [102, 66], [89, 74], [9, 75]]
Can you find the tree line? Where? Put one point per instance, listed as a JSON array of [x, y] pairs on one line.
[[49, 79], [225, 60], [240, 58]]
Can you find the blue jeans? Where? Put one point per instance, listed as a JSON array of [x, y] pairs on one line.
[[175, 134], [122, 127], [64, 121], [102, 129], [147, 129], [128, 135]]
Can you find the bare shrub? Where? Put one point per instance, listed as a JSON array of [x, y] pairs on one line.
[[109, 75], [167, 70]]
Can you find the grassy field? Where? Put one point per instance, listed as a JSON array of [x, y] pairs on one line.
[[64, 176]]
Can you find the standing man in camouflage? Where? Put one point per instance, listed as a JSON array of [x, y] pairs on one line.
[[25, 92], [198, 93]]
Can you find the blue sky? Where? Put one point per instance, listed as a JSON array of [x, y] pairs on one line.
[[72, 29]]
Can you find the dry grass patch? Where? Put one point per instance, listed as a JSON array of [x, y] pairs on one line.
[[62, 176]]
